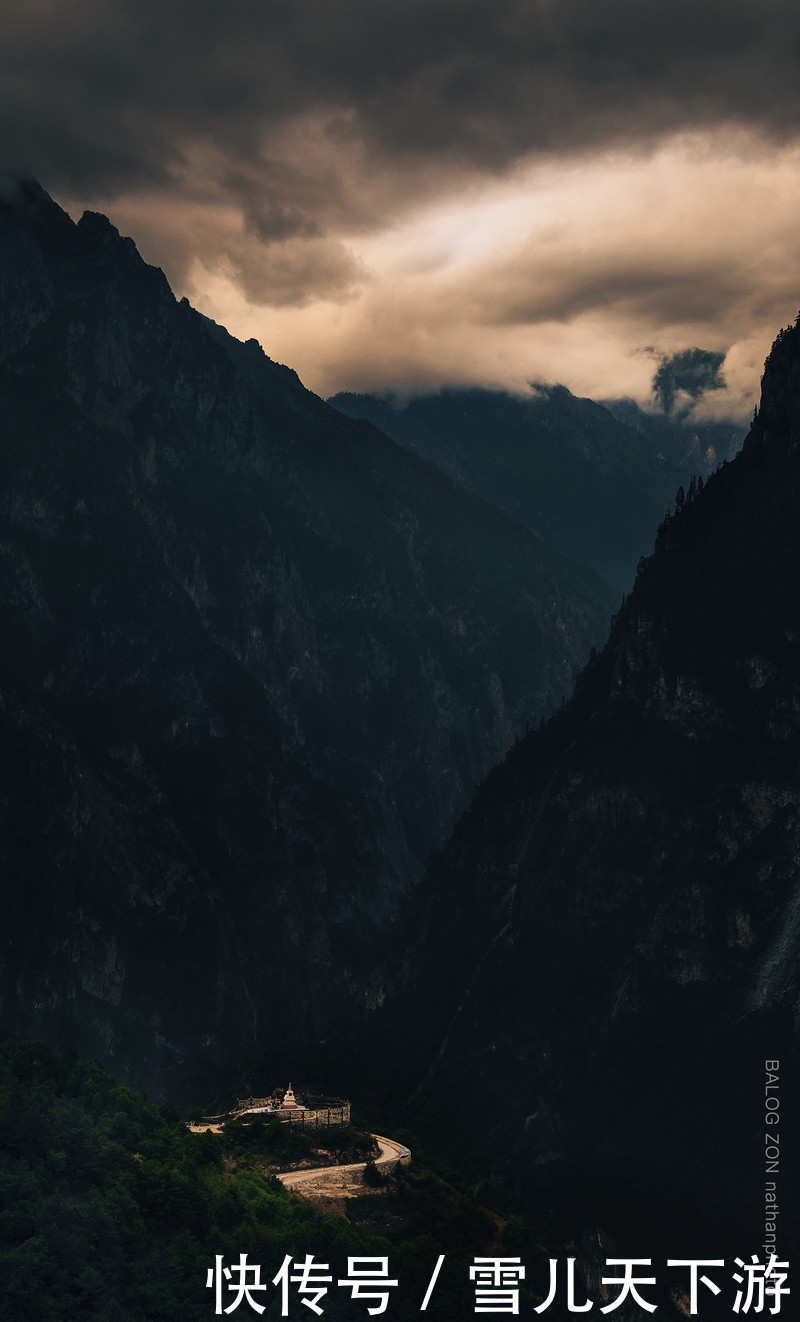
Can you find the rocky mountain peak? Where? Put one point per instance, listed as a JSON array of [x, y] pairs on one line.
[[777, 419]]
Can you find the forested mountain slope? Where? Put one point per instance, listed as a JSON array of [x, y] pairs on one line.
[[610, 950]]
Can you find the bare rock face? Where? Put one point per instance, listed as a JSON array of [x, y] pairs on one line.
[[622, 899], [255, 659]]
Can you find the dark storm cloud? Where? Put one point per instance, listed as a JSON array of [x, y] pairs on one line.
[[105, 94], [691, 373], [571, 286], [263, 135], [292, 275]]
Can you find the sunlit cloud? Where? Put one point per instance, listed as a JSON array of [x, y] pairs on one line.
[[561, 271]]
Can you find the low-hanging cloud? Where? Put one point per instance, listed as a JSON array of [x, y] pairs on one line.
[[689, 373]]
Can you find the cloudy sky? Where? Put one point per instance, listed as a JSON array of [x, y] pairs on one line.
[[395, 194]]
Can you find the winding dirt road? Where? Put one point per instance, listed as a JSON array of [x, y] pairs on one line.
[[345, 1181]]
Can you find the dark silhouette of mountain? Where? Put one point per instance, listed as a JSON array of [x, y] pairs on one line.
[[592, 482], [255, 659], [696, 448], [609, 948]]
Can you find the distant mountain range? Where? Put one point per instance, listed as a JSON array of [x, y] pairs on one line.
[[594, 480], [698, 448]]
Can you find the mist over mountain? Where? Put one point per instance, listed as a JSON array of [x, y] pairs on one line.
[[677, 439], [611, 945], [256, 658], [592, 480]]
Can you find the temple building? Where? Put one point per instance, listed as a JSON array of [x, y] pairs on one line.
[[315, 1113]]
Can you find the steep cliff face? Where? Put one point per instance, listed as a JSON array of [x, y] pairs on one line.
[[622, 899], [255, 658]]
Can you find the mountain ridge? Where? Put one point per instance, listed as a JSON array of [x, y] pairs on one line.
[[587, 476], [256, 658]]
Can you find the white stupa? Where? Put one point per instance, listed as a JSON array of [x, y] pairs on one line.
[[290, 1102]]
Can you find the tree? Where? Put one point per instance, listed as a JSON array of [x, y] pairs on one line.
[[373, 1177]]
